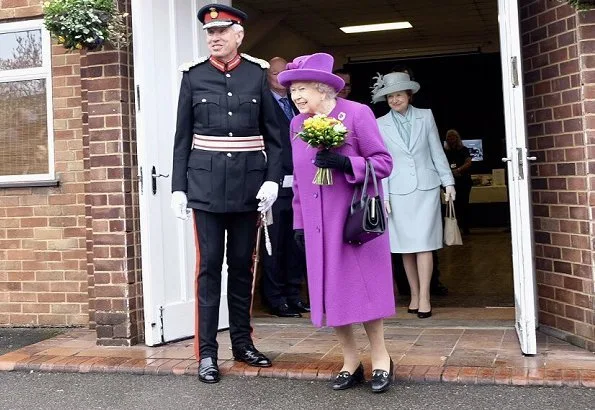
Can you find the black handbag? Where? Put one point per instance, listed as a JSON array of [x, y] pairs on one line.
[[365, 220]]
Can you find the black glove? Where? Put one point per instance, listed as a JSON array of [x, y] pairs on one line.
[[327, 159], [300, 240]]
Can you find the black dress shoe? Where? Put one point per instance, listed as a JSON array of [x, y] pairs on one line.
[[381, 379], [424, 315], [345, 380], [249, 354], [208, 371], [414, 311], [300, 306], [284, 311]]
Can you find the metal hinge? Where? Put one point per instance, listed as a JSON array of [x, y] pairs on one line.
[[138, 97], [161, 309], [140, 179], [514, 71]]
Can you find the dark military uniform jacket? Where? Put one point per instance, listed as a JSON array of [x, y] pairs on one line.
[[237, 103]]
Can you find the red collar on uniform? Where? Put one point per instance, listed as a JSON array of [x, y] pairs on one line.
[[225, 67]]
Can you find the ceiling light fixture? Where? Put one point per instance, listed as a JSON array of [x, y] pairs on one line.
[[376, 27]]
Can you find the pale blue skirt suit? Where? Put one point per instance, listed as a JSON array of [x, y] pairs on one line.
[[413, 187]]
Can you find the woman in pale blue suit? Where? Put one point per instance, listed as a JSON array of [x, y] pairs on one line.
[[412, 191]]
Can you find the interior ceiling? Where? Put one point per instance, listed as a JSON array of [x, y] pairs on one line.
[[436, 23]]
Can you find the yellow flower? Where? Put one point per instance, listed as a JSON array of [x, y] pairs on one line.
[[78, 46], [61, 39], [46, 4]]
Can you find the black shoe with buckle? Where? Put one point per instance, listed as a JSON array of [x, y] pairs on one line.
[[345, 380], [208, 371], [250, 355], [284, 310], [381, 379], [300, 306]]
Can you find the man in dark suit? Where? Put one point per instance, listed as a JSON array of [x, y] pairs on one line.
[[283, 271], [226, 167]]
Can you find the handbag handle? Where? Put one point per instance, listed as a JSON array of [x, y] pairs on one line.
[[364, 186], [451, 209]]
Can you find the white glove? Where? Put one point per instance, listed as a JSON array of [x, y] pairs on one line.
[[387, 206], [450, 193], [179, 204], [268, 195]]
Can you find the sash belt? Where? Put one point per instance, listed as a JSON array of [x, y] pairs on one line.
[[227, 144]]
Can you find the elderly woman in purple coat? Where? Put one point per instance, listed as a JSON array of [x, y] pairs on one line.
[[347, 283]]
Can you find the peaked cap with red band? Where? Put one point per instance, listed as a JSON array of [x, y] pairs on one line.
[[220, 15]]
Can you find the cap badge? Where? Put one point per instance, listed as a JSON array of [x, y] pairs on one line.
[[213, 12]]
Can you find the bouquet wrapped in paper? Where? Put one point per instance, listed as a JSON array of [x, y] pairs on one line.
[[323, 132]]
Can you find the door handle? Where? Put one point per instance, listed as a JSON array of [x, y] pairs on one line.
[[506, 159], [154, 176], [531, 158]]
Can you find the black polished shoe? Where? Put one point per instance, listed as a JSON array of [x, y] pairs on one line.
[[413, 311], [208, 371], [424, 315], [345, 380], [250, 355], [284, 311], [381, 379], [300, 306]]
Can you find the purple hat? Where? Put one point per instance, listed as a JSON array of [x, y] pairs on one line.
[[314, 67]]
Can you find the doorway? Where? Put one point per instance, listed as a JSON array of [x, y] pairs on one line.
[[172, 29], [464, 91]]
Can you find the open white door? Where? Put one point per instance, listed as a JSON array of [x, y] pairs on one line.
[[518, 176], [166, 34]]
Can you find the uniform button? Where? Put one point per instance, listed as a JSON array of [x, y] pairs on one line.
[[230, 94], [228, 75], [204, 100], [318, 229], [254, 100], [410, 165], [229, 113], [315, 195], [413, 173], [230, 134], [229, 154]]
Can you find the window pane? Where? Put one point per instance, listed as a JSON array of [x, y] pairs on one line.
[[23, 128], [20, 49]]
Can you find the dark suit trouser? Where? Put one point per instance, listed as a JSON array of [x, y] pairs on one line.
[[463, 189], [241, 236], [283, 271]]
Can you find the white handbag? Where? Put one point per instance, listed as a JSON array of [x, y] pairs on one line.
[[452, 235]]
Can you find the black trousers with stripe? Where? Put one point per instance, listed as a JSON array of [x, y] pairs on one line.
[[241, 239]]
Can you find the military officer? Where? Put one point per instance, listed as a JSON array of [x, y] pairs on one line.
[[226, 168]]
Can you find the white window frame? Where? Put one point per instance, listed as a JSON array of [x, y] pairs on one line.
[[35, 73]]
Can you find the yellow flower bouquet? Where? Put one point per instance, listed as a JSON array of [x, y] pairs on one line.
[[323, 132]]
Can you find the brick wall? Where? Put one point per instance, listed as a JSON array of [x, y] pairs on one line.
[[555, 66], [113, 231], [43, 274]]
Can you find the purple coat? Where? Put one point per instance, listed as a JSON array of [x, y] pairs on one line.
[[347, 283]]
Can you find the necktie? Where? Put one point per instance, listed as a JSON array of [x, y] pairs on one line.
[[286, 107]]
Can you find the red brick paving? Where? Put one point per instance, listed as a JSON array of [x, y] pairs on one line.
[[556, 364]]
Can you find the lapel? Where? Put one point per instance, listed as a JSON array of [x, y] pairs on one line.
[[415, 127], [390, 129]]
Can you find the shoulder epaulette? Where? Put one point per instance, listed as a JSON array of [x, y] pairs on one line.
[[187, 66], [264, 64]]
